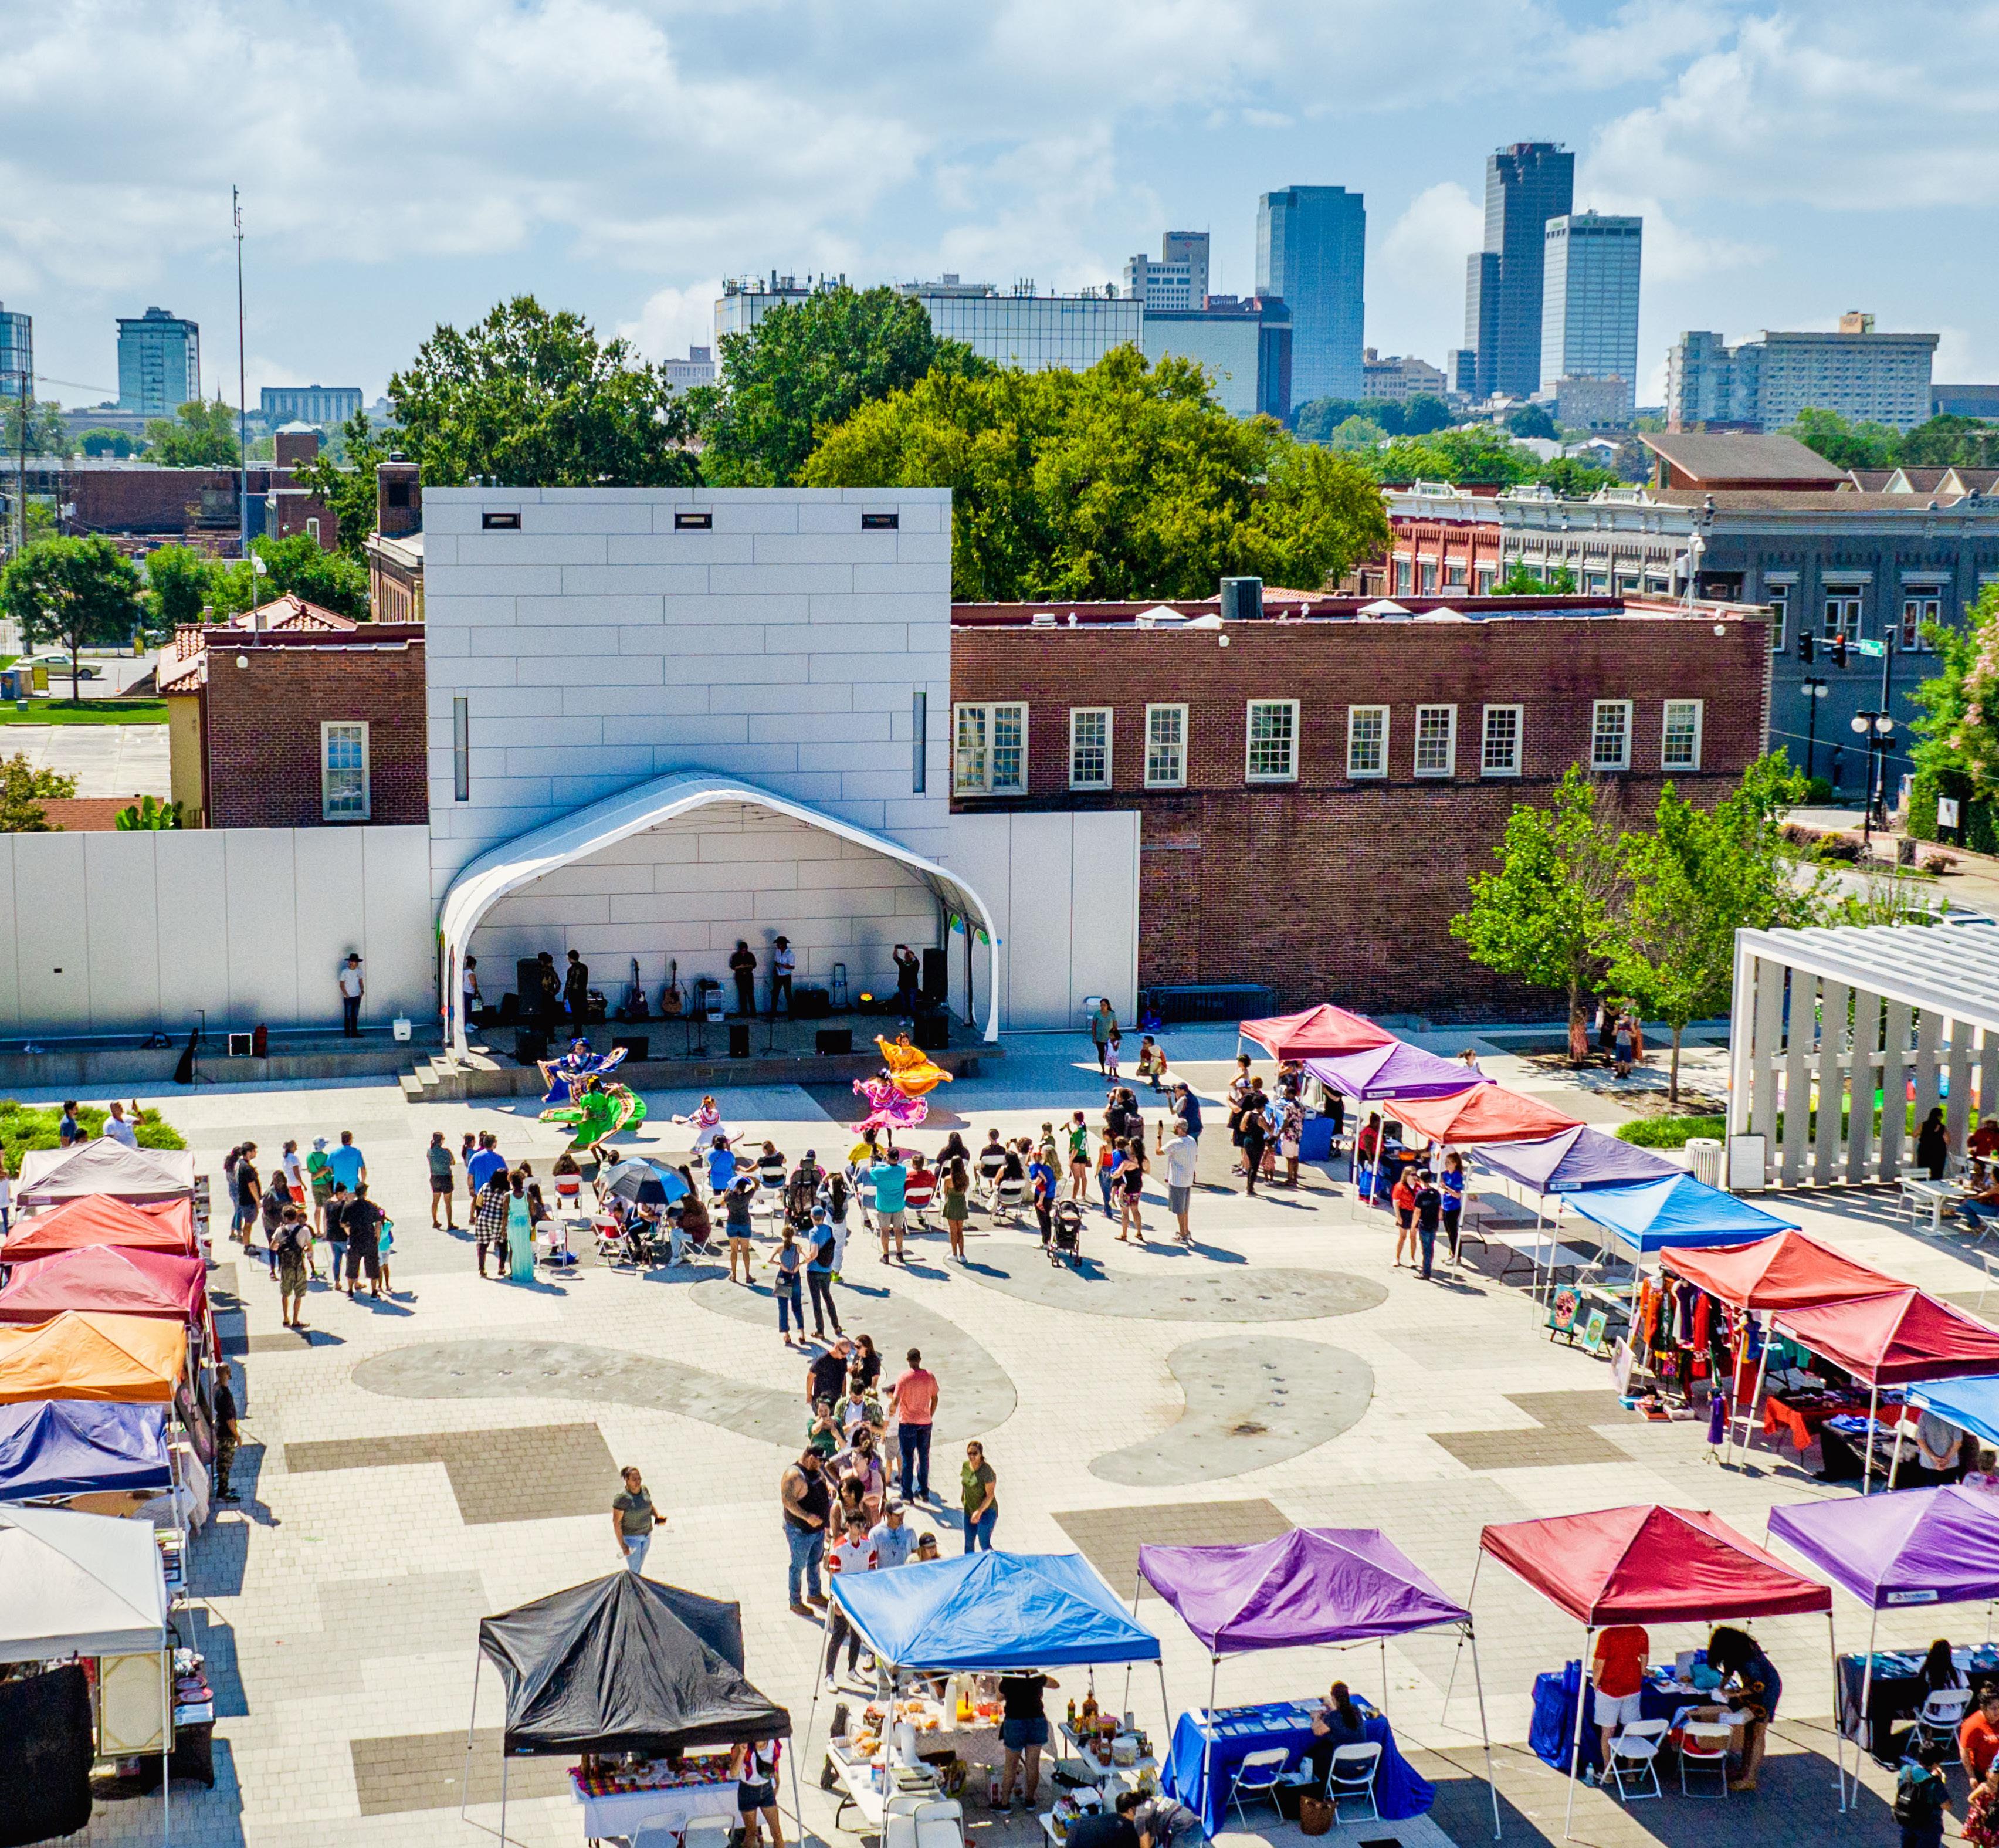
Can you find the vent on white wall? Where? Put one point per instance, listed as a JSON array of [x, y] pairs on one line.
[[693, 522]]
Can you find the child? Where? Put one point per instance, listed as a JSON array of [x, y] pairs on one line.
[[1921, 1802], [1981, 1813], [1152, 1063], [1042, 1177], [1110, 1056]]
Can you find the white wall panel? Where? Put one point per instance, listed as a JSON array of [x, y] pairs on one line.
[[398, 931], [121, 894], [51, 917], [1104, 918], [329, 872], [1036, 970], [10, 938], [193, 927], [265, 983]]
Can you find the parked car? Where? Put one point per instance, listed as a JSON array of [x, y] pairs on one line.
[[59, 665]]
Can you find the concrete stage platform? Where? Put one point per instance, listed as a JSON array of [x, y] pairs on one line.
[[115, 1062]]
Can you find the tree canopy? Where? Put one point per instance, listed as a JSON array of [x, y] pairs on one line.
[[1314, 421], [48, 434], [807, 366], [1943, 442], [293, 565], [342, 479], [76, 592], [203, 436], [530, 396], [177, 581], [24, 789], [1124, 480]]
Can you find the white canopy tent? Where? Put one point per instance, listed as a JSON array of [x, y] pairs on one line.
[[541, 851], [101, 1166], [1849, 1010]]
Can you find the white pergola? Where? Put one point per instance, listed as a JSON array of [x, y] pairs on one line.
[[1848, 1009]]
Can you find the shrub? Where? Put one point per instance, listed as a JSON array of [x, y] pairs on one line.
[[1846, 849], [1939, 862], [24, 1126], [1818, 791], [1670, 1132]]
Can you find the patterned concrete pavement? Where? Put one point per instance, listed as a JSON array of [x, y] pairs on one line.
[[412, 1464]]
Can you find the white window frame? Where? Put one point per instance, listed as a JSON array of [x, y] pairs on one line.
[[1426, 577], [1250, 773], [1486, 767], [1699, 710], [1844, 608], [986, 713], [1081, 713], [1404, 574], [334, 789], [1597, 761], [1488, 576], [1355, 772], [1448, 768], [1177, 780], [1909, 637], [1777, 596]]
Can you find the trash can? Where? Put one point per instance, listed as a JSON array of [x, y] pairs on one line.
[[1703, 1154]]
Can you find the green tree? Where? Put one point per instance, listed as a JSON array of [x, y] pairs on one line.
[[48, 434], [24, 789], [1123, 480], [147, 815], [178, 581], [202, 436], [1549, 915], [294, 566], [342, 477], [1424, 412], [76, 592], [807, 366], [1357, 436], [1560, 581], [1530, 420], [1950, 441], [534, 398], [1846, 445], [1956, 746], [106, 443], [1572, 478], [1481, 455]]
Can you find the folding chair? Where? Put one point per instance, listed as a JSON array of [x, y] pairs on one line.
[[940, 1825], [1940, 1715], [1352, 1773], [1634, 1753], [1257, 1775], [708, 1832], [1704, 1747]]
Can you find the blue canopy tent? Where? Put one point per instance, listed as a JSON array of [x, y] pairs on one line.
[[1650, 1216], [59, 1447], [1972, 1405]]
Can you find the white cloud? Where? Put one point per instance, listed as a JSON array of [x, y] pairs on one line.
[[1426, 247], [674, 319]]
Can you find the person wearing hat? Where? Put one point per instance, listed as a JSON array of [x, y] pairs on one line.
[[892, 1536], [784, 965], [319, 1179]]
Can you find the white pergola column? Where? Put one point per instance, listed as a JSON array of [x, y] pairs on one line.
[[1957, 1112], [1894, 1084], [1862, 1064], [1929, 1062], [1800, 1038], [1831, 1082]]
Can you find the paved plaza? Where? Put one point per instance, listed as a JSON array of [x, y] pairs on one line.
[[412, 1464]]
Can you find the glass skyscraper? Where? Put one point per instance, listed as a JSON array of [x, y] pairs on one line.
[[1526, 185], [1312, 245], [1589, 299], [159, 362]]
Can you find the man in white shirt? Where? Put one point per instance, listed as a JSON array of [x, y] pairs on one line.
[[119, 1129], [854, 1554], [352, 987], [1180, 1150], [784, 965]]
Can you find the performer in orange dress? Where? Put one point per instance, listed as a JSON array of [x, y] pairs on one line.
[[909, 1070]]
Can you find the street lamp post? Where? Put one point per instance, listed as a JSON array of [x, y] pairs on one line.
[[1814, 692], [1878, 728]]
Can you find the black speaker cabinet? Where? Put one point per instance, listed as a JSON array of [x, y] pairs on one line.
[[936, 974], [739, 1039], [530, 1044], [528, 982], [637, 1046], [811, 1004], [932, 1030], [836, 1041]]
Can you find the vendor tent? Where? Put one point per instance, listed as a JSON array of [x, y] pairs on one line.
[[1676, 1209], [79, 1585], [1646, 1565], [1787, 1272], [1319, 1032], [120, 1360], [1972, 1405], [94, 1220], [1901, 1336], [56, 1447], [106, 1277], [1397, 1069], [104, 1167], [991, 1610], [1576, 1159], [1487, 1113]]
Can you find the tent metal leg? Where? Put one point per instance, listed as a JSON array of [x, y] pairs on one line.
[[1895, 1458], [1208, 1739], [1468, 1596], [465, 1786], [1867, 1690], [1484, 1733], [1867, 1468], [502, 1786], [167, 1737], [1385, 1677], [1575, 1749], [798, 1808], [1756, 1394], [1839, 1715]]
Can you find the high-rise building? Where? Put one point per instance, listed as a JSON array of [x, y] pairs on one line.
[[17, 354], [1311, 254], [321, 404], [1244, 345], [1763, 382], [1526, 185], [697, 369], [159, 362], [1035, 332], [1589, 301], [1176, 278]]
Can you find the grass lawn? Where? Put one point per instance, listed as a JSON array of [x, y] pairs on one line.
[[86, 712], [24, 1126]]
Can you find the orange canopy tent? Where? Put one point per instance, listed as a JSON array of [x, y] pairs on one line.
[[107, 1279], [99, 1219], [1319, 1032], [1787, 1271], [1487, 1113], [118, 1359]]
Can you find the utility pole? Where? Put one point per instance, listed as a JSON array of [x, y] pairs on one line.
[[242, 411]]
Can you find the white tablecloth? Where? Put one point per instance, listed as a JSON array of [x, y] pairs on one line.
[[622, 1814]]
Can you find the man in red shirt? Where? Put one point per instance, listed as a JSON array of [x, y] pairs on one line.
[[1978, 1738], [1618, 1672], [916, 1393]]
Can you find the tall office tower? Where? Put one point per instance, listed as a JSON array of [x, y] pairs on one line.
[[1481, 325], [1526, 185], [1311, 253], [159, 362], [1589, 301], [1177, 278]]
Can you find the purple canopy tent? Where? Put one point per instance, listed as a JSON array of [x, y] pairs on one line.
[[1575, 1160], [1922, 1546], [1397, 1070], [1314, 1585]]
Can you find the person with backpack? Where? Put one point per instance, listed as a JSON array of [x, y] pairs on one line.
[[1922, 1800], [818, 1273]]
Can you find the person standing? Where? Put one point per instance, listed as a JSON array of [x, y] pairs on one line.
[[1079, 1157], [907, 980], [754, 1767], [1922, 1800], [69, 1132], [249, 1193], [474, 1001], [742, 967], [520, 1230], [891, 1540], [807, 1502], [1429, 1210], [276, 1200], [349, 1164], [819, 1274], [890, 1182], [1402, 1197], [632, 1519], [6, 1195], [226, 1434], [1180, 1154], [1933, 1145], [736, 1223], [333, 1221], [956, 1207], [784, 965], [293, 1240], [790, 1261], [364, 1252], [978, 1491], [483, 1163], [854, 1553], [1256, 1138], [1450, 1185], [1978, 1738], [1041, 1180], [1617, 1673], [489, 1210], [353, 985], [575, 988], [915, 1393], [439, 1156], [1023, 1731], [1103, 1030], [118, 1128]]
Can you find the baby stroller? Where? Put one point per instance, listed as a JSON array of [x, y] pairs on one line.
[[1065, 1239]]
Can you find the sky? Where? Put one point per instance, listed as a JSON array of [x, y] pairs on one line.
[[406, 163]]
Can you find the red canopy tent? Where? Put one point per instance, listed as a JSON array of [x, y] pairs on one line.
[[1900, 1336], [1787, 1271], [1649, 1565], [106, 1277], [1319, 1032], [99, 1219], [1487, 1113]]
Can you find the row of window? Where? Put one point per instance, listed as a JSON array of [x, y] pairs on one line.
[[1841, 610], [989, 756]]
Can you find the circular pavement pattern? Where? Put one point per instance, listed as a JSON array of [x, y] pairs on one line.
[[1179, 1292]]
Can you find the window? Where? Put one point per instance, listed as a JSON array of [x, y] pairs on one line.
[[1165, 747], [1488, 576], [1436, 740], [1842, 614], [312, 530], [1499, 750], [1595, 584], [343, 770], [1610, 736], [1090, 747], [992, 753], [1454, 577], [1402, 575], [1367, 740], [920, 741], [1428, 577], [1272, 743], [1779, 598], [461, 748], [1679, 747], [1921, 603]]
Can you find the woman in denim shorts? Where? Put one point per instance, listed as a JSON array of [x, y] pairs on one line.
[[1023, 1730]]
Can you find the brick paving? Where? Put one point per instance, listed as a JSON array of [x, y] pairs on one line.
[[339, 1607]]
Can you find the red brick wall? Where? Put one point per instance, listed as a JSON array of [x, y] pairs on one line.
[[147, 500], [263, 727], [1331, 888]]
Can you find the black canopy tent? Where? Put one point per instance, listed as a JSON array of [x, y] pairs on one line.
[[621, 1664]]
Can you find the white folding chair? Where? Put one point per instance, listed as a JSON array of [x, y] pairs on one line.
[[1704, 1747], [899, 1820], [1634, 1753], [708, 1832], [656, 1832], [1011, 1197], [1257, 1775], [1352, 1773], [1941, 1714], [940, 1825]]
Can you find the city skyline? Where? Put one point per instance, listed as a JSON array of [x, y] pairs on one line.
[[627, 181]]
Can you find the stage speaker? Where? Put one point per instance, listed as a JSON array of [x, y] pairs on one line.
[[811, 1004], [528, 982], [739, 1039], [936, 974], [239, 1045], [637, 1046], [836, 1041], [931, 1030], [530, 1044]]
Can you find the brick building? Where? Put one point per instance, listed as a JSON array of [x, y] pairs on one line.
[[395, 549], [306, 719], [1314, 792], [195, 507]]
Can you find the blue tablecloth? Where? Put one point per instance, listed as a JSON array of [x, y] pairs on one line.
[[1236, 1731], [1554, 1726]]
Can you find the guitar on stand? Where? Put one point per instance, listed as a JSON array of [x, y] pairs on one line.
[[673, 998]]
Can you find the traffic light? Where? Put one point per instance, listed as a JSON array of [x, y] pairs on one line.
[[1806, 648], [1839, 651]]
